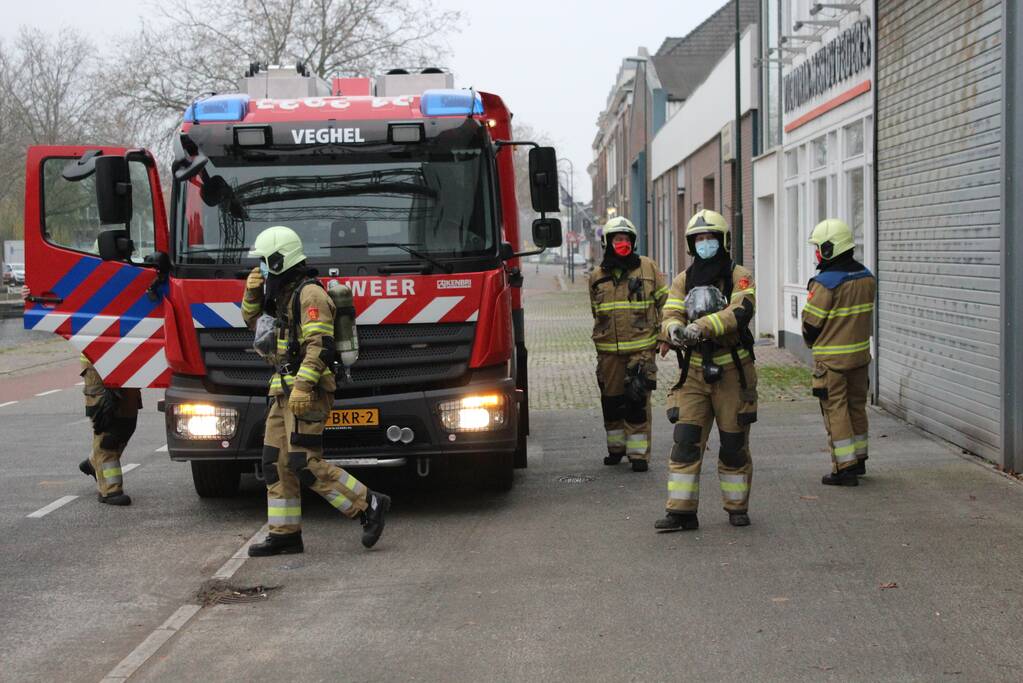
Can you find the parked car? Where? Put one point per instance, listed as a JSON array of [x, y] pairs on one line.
[[14, 273]]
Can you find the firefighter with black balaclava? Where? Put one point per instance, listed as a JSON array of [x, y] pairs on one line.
[[302, 349], [627, 292], [838, 320], [718, 378]]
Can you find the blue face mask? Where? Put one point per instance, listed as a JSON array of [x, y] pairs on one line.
[[707, 249], [264, 270]]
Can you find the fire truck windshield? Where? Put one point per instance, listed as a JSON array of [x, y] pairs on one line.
[[356, 212]]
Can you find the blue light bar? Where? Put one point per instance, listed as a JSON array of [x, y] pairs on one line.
[[450, 103], [218, 108]]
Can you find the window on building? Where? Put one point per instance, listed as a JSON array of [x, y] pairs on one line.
[[820, 200], [819, 152], [770, 77], [796, 238], [855, 196], [791, 164], [854, 139]]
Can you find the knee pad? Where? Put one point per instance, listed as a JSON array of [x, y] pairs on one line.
[[613, 408], [635, 411], [733, 445], [121, 430], [687, 443], [269, 462], [297, 464]]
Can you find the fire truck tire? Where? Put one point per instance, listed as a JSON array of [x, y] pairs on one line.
[[497, 471], [215, 479]]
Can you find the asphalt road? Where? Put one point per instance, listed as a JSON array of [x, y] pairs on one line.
[[915, 575]]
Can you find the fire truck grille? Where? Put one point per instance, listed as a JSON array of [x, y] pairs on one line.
[[389, 355]]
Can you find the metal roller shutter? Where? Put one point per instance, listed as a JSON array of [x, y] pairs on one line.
[[939, 183]]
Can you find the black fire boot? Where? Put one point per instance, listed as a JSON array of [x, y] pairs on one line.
[[738, 519], [860, 468], [678, 521], [278, 544], [373, 518], [639, 465], [87, 469], [845, 477], [115, 499], [613, 458]]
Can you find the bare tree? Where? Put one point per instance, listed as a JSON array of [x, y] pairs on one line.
[[194, 48]]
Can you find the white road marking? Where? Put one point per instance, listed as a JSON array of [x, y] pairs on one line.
[[177, 621], [128, 468], [79, 384], [238, 559], [9, 403], [47, 393], [162, 449], [60, 502], [152, 644]]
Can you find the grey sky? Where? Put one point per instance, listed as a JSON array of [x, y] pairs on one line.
[[553, 61]]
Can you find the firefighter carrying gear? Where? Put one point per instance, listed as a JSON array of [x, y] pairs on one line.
[[114, 414], [301, 397], [837, 326], [626, 296], [730, 397]]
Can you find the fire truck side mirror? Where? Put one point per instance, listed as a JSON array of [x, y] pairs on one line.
[[543, 180], [113, 190], [547, 233], [115, 245]]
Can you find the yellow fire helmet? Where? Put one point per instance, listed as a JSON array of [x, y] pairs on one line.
[[618, 224], [707, 221], [280, 247], [833, 237]]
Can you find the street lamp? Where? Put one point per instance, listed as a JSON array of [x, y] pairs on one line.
[[571, 217]]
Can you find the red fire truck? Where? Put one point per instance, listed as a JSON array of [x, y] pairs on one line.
[[403, 189]]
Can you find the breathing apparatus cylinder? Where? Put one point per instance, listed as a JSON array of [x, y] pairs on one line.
[[346, 337]]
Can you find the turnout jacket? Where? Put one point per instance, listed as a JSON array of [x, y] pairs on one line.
[[312, 366], [626, 307], [723, 327], [838, 318]]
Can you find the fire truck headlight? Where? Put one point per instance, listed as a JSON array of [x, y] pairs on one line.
[[480, 413], [201, 421]]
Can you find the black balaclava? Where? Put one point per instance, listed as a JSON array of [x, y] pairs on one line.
[[844, 262], [277, 285], [612, 260], [705, 272]]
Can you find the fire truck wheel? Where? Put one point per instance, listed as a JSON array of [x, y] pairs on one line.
[[215, 479]]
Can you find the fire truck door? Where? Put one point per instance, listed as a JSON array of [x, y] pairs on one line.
[[112, 311]]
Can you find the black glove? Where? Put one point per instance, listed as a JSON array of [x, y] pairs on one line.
[[104, 411]]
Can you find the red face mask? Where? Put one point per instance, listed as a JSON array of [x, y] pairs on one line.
[[817, 254], [622, 248]]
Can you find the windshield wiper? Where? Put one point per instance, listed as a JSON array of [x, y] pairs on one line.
[[214, 250], [446, 267]]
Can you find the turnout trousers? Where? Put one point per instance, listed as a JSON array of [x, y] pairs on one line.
[[843, 397], [627, 411], [696, 406], [292, 456], [108, 446]]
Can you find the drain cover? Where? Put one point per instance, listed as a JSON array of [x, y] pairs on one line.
[[223, 593], [575, 479]]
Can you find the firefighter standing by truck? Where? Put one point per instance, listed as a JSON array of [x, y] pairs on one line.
[[837, 324], [719, 380], [627, 292], [114, 415], [302, 349]]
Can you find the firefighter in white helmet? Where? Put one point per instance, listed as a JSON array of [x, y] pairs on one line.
[[301, 396], [837, 324], [627, 292], [719, 380]]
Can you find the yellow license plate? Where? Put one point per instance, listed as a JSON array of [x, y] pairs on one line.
[[358, 417]]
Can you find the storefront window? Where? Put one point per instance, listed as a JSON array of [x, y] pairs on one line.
[[854, 191], [854, 139], [796, 238], [819, 152]]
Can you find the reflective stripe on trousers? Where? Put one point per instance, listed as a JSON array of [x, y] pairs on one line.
[[734, 486], [615, 439], [637, 444], [844, 451], [112, 473], [683, 486], [860, 445], [284, 510]]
